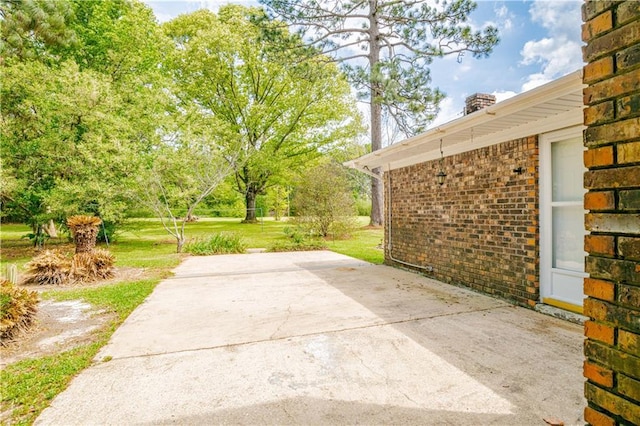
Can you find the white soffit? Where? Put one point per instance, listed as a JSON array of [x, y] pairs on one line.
[[553, 106]]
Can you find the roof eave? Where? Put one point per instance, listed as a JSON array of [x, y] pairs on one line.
[[520, 103]]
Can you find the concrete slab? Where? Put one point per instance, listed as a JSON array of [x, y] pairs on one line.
[[321, 338]]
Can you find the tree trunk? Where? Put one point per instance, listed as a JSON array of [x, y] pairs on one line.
[[377, 202], [179, 244], [85, 238], [50, 229], [250, 200]]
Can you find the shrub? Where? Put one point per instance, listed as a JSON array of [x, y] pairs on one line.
[[306, 245], [298, 241], [107, 232], [49, 267], [18, 307], [296, 234], [54, 268], [220, 243], [91, 266], [324, 202], [363, 207]]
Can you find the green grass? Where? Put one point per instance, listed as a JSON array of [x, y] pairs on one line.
[[28, 386], [143, 243], [363, 245], [120, 299]]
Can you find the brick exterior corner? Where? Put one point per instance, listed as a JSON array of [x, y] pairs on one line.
[[480, 229], [611, 32]]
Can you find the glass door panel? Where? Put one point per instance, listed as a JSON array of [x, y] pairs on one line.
[[562, 221]]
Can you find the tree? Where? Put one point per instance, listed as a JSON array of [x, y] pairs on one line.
[[185, 168], [31, 27], [282, 107], [278, 201], [385, 47], [60, 131], [324, 201], [82, 98]]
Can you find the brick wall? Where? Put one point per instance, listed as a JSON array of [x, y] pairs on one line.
[[612, 348], [480, 229]]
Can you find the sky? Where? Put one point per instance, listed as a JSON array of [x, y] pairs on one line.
[[540, 42]]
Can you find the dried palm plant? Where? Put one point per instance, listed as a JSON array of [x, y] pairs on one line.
[[18, 307], [92, 266], [85, 231], [49, 267]]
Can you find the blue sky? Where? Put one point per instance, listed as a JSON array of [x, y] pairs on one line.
[[540, 41]]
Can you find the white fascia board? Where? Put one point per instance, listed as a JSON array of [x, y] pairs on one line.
[[550, 91], [567, 119]]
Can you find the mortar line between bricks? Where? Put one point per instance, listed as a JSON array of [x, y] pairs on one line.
[[317, 333]]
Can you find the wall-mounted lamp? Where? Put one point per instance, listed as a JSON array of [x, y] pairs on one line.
[[518, 170], [441, 176]]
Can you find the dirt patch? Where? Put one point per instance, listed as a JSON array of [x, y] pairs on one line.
[[119, 275], [61, 326]]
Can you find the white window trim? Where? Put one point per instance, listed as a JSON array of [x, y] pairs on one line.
[[545, 189]]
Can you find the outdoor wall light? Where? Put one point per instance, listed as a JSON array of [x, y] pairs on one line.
[[519, 170], [441, 176]]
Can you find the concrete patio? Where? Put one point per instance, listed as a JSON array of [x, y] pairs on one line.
[[321, 338]]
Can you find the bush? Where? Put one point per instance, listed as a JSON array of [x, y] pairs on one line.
[[18, 307], [49, 267], [298, 241], [220, 243], [54, 268], [296, 234], [363, 207], [306, 245], [107, 232], [324, 202], [91, 266]]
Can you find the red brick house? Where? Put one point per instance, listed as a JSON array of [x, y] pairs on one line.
[[505, 220], [508, 218]]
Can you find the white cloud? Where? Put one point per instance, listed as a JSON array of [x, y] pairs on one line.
[[505, 18], [560, 52], [449, 110], [557, 16], [502, 95], [535, 80]]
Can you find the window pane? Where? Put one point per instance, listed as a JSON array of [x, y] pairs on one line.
[[568, 238], [567, 169]]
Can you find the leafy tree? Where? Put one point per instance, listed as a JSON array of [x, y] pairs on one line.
[[385, 47], [182, 171], [31, 27], [324, 202], [278, 200], [80, 103], [282, 107], [59, 140], [121, 40]]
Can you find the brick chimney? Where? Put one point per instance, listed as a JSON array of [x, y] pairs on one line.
[[478, 101]]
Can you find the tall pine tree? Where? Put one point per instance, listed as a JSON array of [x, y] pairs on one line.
[[386, 46]]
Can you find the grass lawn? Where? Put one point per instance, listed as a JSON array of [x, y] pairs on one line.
[[27, 387]]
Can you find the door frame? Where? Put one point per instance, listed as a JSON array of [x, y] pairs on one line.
[[546, 220]]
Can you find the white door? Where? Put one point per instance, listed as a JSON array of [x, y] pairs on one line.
[[562, 212]]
